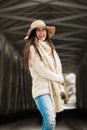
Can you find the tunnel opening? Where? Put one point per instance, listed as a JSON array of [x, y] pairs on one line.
[[70, 88]]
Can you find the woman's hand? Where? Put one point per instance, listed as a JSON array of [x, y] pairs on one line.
[[63, 95]]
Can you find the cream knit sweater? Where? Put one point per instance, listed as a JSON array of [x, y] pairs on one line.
[[42, 76]]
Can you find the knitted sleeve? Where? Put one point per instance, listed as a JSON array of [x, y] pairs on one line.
[[39, 67]]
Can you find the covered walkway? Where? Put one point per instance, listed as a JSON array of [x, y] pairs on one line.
[[70, 19]]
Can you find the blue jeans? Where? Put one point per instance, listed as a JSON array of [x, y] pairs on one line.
[[45, 106]]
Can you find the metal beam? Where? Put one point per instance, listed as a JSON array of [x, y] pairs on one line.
[[70, 5], [66, 18], [19, 6], [66, 34]]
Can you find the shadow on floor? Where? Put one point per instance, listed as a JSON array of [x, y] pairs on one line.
[[31, 120]]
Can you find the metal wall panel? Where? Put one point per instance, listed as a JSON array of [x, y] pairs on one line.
[[81, 84], [15, 81]]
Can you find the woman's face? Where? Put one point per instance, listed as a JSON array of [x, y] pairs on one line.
[[41, 33]]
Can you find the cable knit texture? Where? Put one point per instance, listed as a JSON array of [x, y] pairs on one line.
[[46, 73]]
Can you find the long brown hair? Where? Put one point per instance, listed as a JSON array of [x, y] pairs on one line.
[[31, 41]]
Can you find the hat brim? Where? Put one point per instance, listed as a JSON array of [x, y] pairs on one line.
[[50, 29]]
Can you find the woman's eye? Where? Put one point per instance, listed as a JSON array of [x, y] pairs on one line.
[[37, 29]]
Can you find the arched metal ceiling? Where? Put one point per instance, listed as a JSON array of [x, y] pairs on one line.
[[69, 17]]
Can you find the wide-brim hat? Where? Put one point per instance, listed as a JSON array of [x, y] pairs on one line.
[[40, 23]]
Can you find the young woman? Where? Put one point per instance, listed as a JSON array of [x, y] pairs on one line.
[[41, 58]]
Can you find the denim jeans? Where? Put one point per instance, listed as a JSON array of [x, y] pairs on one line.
[[45, 106]]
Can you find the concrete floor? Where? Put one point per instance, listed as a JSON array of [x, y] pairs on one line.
[[67, 120]]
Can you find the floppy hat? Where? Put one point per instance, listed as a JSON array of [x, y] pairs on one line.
[[40, 23]]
